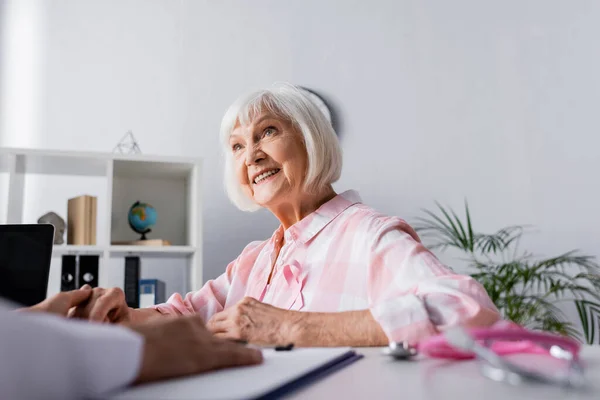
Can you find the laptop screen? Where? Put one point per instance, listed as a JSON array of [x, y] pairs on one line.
[[25, 255]]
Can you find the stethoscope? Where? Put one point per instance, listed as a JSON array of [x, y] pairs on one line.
[[457, 342]]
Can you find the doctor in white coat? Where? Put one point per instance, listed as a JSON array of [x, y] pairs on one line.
[[45, 356]]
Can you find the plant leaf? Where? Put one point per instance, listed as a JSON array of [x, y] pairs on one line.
[[469, 227]]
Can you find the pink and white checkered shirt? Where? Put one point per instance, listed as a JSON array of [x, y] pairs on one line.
[[346, 256]]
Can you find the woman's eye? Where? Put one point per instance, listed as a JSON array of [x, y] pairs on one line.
[[270, 131], [236, 147]]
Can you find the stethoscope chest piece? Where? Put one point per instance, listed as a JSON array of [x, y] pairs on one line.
[[400, 350]]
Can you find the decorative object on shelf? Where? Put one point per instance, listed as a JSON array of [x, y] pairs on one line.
[[141, 217], [128, 145], [54, 219], [525, 289], [81, 220], [320, 103]]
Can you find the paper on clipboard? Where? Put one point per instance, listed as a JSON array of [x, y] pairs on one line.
[[280, 372]]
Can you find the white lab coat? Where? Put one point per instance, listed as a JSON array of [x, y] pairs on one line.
[[47, 357]]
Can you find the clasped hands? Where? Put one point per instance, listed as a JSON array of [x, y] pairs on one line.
[[173, 346], [249, 320]]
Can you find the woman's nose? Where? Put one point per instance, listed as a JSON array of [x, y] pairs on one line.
[[254, 156]]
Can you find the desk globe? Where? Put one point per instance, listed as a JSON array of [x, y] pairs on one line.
[[142, 217]]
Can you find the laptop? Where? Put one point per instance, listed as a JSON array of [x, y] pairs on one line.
[[25, 256]]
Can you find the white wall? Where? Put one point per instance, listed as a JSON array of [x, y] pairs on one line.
[[441, 100]]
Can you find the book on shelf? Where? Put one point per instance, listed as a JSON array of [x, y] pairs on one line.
[[81, 220], [147, 242]]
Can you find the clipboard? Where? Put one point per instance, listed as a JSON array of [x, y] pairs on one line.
[[328, 368], [281, 373]]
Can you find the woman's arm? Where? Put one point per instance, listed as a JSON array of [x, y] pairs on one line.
[[213, 296], [260, 323], [348, 328], [412, 295], [138, 315]]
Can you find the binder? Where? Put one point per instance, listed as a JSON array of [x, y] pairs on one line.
[[88, 270], [132, 279], [68, 274], [152, 291]]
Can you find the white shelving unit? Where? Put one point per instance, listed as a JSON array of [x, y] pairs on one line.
[[33, 182]]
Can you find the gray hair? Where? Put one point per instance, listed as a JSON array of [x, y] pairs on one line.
[[289, 103]]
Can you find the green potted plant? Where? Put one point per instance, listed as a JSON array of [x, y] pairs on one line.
[[526, 289]]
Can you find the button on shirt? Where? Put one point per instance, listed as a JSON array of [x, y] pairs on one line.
[[346, 256]]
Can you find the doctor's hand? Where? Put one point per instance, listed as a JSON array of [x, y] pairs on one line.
[[179, 346], [62, 302], [104, 305], [255, 322]]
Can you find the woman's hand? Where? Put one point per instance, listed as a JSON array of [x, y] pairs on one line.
[[179, 346], [255, 322], [104, 305], [62, 302]]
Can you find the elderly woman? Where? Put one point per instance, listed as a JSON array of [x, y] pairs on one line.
[[335, 272]]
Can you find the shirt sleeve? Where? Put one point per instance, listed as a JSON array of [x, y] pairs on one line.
[[207, 301], [412, 295], [212, 297], [48, 357]]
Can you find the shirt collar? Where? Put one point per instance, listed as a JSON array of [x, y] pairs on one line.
[[305, 229]]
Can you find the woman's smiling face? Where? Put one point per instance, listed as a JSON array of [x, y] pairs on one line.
[[270, 159]]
